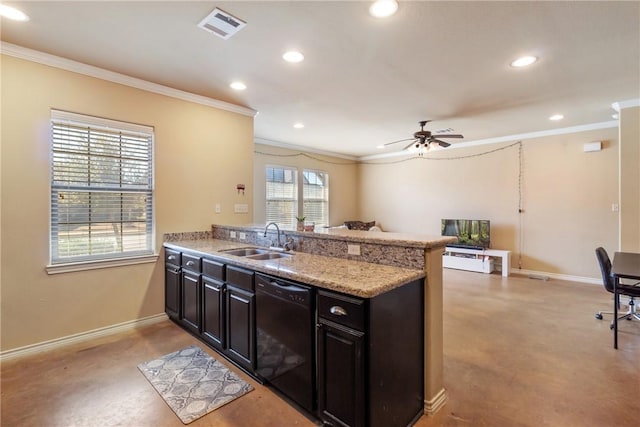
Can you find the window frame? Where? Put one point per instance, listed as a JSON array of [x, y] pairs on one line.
[[87, 262], [299, 205], [296, 201], [325, 186]]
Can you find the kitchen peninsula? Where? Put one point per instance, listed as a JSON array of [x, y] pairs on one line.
[[374, 298]]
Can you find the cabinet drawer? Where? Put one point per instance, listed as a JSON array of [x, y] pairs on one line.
[[341, 309], [240, 278], [191, 263], [213, 269], [171, 256]]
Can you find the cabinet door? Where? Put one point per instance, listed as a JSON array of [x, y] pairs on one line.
[[341, 389], [213, 303], [191, 301], [241, 334], [172, 291]]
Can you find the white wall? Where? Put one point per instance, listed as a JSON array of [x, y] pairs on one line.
[[566, 198]]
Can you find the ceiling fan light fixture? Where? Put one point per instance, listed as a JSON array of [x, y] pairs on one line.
[[523, 61], [293, 56], [383, 8], [13, 13]]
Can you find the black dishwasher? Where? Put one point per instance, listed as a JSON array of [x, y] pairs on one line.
[[285, 338]]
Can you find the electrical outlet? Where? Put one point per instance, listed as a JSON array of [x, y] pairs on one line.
[[242, 235], [218, 208], [353, 249], [232, 234]]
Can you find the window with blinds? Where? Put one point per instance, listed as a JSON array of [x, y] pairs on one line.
[[282, 196], [315, 197], [101, 189]]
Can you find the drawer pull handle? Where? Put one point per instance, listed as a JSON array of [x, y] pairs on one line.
[[190, 263], [338, 311], [171, 257]]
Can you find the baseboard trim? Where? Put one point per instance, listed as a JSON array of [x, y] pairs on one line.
[[436, 403], [80, 337], [542, 274]]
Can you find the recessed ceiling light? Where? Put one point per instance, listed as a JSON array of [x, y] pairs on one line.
[[380, 147], [615, 116], [293, 56], [238, 86], [383, 8], [556, 117], [524, 61], [12, 13], [298, 125]]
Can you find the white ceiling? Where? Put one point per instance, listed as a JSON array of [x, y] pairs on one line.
[[365, 81]]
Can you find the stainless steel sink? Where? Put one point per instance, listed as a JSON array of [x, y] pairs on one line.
[[270, 255], [245, 251]]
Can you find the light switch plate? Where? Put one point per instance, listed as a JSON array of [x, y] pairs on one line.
[[218, 208]]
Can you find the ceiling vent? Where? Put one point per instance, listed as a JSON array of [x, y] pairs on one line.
[[221, 23]]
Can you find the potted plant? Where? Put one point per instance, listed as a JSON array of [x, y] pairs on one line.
[[300, 223]]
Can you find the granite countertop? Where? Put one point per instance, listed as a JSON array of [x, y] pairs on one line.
[[356, 278]]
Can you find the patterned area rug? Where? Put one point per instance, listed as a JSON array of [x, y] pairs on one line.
[[193, 383]]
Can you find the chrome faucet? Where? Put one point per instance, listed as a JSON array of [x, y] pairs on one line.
[[277, 228]]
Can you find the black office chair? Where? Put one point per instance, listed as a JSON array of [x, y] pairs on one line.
[[632, 291]]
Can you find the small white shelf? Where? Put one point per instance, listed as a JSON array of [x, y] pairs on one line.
[[479, 260]]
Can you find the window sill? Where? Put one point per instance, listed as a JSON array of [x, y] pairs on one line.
[[99, 264]]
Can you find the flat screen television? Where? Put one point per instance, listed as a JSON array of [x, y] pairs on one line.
[[471, 233]]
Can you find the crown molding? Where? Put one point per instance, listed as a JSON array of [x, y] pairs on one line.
[[111, 76], [629, 103], [294, 147], [509, 138]]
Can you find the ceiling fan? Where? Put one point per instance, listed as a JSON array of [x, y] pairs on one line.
[[423, 139]]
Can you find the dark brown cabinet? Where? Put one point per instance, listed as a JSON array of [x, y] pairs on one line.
[[190, 284], [340, 374], [240, 317], [367, 353], [370, 358], [172, 280], [191, 300], [213, 303], [213, 312]]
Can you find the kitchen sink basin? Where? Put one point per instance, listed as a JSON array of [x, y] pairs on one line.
[[246, 251], [270, 255]]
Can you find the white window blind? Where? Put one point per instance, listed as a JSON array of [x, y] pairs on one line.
[[315, 196], [282, 196], [101, 189]]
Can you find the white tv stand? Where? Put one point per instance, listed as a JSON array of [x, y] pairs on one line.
[[480, 260]]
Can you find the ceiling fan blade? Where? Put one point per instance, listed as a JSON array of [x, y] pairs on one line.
[[440, 143], [412, 142], [400, 140], [448, 136]]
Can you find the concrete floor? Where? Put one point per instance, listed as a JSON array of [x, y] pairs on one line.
[[518, 352]]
